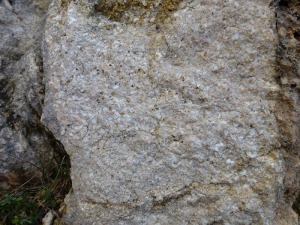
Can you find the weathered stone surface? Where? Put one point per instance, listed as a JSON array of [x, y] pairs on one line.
[[288, 76], [167, 110], [24, 141], [174, 112]]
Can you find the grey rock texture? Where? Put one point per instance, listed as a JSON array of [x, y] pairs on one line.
[[170, 111], [24, 141]]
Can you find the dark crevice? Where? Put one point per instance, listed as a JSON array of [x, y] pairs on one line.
[[297, 35], [28, 147], [28, 127], [219, 222], [296, 205], [51, 159], [11, 2], [283, 3]]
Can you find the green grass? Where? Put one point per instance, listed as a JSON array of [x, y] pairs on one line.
[[43, 190]]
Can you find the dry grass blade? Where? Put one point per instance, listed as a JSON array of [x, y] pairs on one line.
[[26, 197]]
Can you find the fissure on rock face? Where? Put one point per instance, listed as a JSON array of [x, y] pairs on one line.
[[34, 167], [25, 141]]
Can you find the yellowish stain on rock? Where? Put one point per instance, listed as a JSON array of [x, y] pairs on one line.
[[159, 10]]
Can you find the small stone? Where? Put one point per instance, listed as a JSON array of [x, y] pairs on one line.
[[49, 218]]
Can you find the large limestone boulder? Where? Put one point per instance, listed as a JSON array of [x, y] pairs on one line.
[[167, 110]]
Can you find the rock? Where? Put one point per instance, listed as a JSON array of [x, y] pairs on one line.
[[286, 217], [173, 111], [288, 100], [169, 110], [24, 141], [49, 218]]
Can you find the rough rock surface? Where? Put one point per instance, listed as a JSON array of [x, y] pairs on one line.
[[288, 76], [24, 141], [169, 110]]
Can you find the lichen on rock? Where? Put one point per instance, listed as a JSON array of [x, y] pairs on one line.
[[153, 10]]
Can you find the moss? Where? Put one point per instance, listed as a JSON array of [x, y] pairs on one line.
[[65, 3], [166, 9], [115, 10]]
